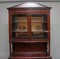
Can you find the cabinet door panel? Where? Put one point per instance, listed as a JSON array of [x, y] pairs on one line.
[[19, 26], [38, 26]]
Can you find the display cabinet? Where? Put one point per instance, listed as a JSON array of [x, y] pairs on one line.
[[29, 31]]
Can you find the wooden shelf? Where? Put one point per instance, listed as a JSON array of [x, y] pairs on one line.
[[30, 54], [36, 52], [38, 22], [30, 41], [17, 30], [20, 22], [31, 31], [41, 57], [40, 31], [33, 55]]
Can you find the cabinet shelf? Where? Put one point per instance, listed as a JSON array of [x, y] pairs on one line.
[[38, 54], [19, 31], [40, 57], [30, 53], [31, 22], [38, 21], [31, 31], [20, 22], [40, 31], [30, 41]]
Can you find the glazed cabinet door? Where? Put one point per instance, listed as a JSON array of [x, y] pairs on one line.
[[38, 26], [20, 26]]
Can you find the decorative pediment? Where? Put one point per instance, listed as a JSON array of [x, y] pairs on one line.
[[30, 4]]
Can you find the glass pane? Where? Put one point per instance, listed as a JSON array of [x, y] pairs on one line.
[[19, 26], [39, 26]]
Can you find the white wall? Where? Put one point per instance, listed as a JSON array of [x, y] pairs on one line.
[[55, 29], [27, 0]]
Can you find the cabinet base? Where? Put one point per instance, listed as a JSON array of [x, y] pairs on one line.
[[29, 56]]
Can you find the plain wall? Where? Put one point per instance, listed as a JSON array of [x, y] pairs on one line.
[[54, 24]]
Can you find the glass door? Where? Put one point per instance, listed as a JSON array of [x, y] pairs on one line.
[[19, 26], [38, 26]]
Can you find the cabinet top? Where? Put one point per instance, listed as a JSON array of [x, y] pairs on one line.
[[29, 5]]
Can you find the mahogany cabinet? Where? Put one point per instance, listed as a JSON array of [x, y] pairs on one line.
[[29, 32]]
